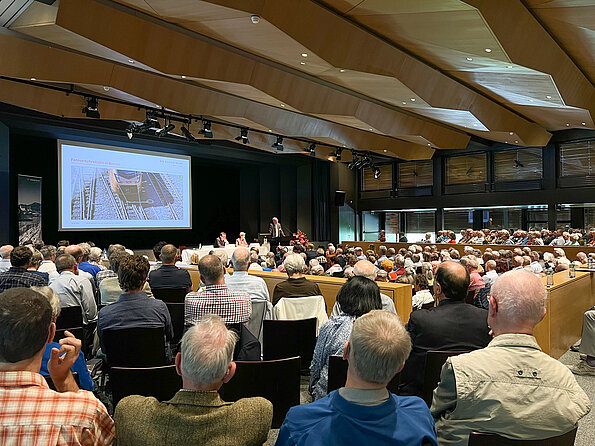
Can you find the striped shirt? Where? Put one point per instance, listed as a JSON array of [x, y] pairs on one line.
[[233, 306], [32, 414]]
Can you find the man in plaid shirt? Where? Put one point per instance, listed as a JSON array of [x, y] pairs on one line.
[[234, 307], [31, 413], [17, 275]]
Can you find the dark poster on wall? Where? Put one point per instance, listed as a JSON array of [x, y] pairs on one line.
[[29, 190]]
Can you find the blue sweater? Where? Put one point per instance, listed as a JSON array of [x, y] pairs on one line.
[[332, 420], [80, 367]]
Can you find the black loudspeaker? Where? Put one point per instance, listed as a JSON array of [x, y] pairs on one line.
[[339, 198]]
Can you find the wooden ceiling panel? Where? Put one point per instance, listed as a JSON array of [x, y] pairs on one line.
[[375, 7]]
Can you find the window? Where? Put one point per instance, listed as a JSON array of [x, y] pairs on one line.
[[371, 226], [383, 182], [457, 220], [577, 159], [466, 169], [419, 222], [416, 174], [520, 164]]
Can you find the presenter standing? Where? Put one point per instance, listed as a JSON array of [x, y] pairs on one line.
[[275, 228]]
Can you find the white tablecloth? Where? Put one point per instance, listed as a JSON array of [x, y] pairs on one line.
[[229, 249]]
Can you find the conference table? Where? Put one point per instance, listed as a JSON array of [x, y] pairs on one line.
[[229, 249]]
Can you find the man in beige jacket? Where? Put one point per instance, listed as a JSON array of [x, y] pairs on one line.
[[511, 387], [197, 415]]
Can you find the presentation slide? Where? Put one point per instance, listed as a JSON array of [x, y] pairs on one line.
[[110, 188]]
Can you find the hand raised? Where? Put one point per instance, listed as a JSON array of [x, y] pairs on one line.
[[61, 360]]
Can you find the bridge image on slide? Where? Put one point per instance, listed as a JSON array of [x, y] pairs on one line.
[[116, 194]]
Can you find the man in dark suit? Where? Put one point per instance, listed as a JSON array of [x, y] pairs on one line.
[[168, 275], [275, 228], [452, 325]]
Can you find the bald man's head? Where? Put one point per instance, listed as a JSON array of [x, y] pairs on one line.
[[211, 270], [366, 269], [453, 279], [75, 251], [240, 259]]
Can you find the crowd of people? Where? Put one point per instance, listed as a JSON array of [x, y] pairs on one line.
[[487, 303]]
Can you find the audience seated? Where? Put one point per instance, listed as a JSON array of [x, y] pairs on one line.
[[17, 275], [104, 274], [452, 325], [168, 275], [234, 307], [242, 281], [296, 285], [366, 269], [422, 295], [47, 264], [85, 265], [109, 288], [34, 265], [77, 252], [31, 412], [197, 414], [157, 253], [357, 297], [511, 387], [364, 411], [134, 309], [80, 366]]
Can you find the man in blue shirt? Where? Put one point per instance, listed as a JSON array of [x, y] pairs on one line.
[[364, 411]]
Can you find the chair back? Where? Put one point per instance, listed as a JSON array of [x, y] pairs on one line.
[[470, 297], [135, 347], [176, 313], [173, 295], [259, 309], [302, 308], [70, 317], [159, 382], [486, 439], [278, 381], [337, 375], [435, 359], [77, 332], [285, 339]]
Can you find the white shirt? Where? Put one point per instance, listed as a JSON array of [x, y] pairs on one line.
[[421, 298], [536, 267], [75, 291], [255, 286], [47, 266], [490, 277], [4, 265], [254, 267]]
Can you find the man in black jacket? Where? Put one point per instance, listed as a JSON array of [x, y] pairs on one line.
[[452, 325]]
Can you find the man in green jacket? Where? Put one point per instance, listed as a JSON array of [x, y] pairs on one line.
[[511, 387]]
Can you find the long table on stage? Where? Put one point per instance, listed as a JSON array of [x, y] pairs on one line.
[[229, 249]]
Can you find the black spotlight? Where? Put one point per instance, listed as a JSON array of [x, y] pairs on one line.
[[91, 109], [376, 171], [165, 130], [206, 131], [189, 137], [151, 122], [354, 162], [243, 136], [312, 149], [338, 154], [278, 144]]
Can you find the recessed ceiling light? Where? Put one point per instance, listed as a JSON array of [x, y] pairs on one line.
[[470, 59], [342, 70], [106, 88], [530, 100], [385, 150], [583, 123], [370, 129], [412, 99], [511, 133], [474, 125], [183, 77], [429, 144], [506, 142], [304, 55], [302, 63], [130, 61], [344, 145], [509, 66], [516, 142], [33, 78], [547, 96], [282, 105], [404, 103], [270, 130], [488, 50], [567, 125]]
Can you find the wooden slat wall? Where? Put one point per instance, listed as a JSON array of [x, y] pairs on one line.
[[384, 182], [416, 173], [577, 159], [529, 166], [466, 169]]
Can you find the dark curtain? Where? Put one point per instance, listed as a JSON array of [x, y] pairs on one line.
[[321, 223]]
